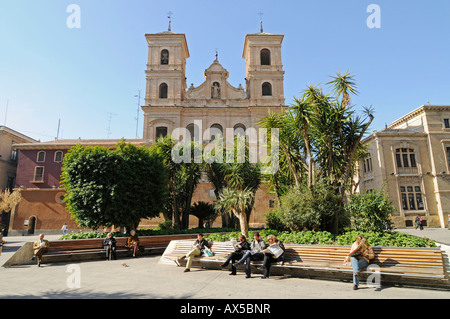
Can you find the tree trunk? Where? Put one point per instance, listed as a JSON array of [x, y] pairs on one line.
[[242, 221]]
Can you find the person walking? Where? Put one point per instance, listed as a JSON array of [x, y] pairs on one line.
[[64, 228]]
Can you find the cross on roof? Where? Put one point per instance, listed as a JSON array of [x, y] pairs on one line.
[[169, 16], [260, 19]]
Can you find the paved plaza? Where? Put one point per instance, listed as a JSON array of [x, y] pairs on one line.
[[144, 278]]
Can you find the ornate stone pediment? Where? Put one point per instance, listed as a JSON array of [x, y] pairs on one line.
[[216, 86]]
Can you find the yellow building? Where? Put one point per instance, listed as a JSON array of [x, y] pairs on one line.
[[8, 155], [411, 157]]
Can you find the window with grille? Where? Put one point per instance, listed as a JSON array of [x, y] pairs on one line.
[[411, 198], [367, 164], [405, 157]]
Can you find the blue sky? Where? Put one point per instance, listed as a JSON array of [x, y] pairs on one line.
[[87, 77]]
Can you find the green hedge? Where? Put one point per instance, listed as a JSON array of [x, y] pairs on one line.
[[145, 232], [390, 238], [393, 239]]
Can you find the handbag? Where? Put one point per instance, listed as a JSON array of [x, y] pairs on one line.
[[207, 252]]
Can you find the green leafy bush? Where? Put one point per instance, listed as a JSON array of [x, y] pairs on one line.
[[370, 211], [390, 238], [147, 232]]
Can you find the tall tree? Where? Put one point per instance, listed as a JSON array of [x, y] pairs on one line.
[[320, 139], [113, 187], [183, 178]]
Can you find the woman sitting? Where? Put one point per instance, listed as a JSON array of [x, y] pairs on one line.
[[273, 253], [133, 244], [360, 255]]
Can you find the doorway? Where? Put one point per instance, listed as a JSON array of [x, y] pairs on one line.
[[31, 225]]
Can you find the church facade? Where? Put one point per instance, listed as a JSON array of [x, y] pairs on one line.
[[213, 108]]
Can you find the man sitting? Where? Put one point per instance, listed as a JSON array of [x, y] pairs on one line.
[[40, 247]]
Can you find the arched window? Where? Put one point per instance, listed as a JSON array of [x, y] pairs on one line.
[[193, 131], [239, 129], [161, 131], [165, 57], [40, 156], [215, 131], [163, 91], [266, 89], [265, 57], [58, 156]]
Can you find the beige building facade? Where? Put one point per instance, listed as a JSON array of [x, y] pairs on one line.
[[215, 106], [411, 159]]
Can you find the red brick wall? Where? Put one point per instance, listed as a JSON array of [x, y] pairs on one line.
[[46, 206], [27, 161]]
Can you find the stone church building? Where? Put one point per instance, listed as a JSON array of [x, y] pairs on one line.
[[212, 108], [215, 104]]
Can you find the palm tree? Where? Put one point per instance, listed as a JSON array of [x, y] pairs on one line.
[[320, 138], [205, 212], [237, 201]]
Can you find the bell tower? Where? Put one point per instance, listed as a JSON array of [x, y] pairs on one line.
[[166, 68], [165, 82], [264, 69]]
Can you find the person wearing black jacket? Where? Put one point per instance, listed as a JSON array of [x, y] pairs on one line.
[[199, 245], [255, 253], [269, 257], [240, 249], [109, 244]]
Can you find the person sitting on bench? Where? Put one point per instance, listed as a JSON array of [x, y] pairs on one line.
[[360, 254], [40, 247], [273, 253], [109, 244], [199, 246], [255, 253], [240, 249], [133, 244]]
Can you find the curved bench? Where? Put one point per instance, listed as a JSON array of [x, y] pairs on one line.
[[395, 265]]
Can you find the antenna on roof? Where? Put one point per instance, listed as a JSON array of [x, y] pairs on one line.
[[137, 115], [57, 132], [6, 112], [109, 122]]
